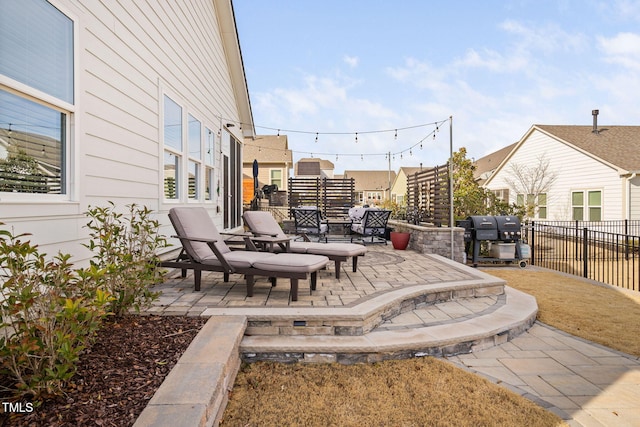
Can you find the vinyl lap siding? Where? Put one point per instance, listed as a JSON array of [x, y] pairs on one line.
[[575, 171], [129, 54]]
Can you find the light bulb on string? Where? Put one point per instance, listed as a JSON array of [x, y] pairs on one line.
[[396, 135], [356, 137], [400, 156], [278, 133], [336, 157], [316, 137], [361, 157], [410, 152]]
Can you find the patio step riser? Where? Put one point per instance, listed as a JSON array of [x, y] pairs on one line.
[[312, 326], [449, 339], [349, 358]]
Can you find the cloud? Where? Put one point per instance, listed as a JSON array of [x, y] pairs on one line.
[[623, 49], [544, 38], [351, 61]]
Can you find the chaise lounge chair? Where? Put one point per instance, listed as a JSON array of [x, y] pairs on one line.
[[203, 249], [264, 224]]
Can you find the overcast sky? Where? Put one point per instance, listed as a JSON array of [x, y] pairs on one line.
[[320, 71]]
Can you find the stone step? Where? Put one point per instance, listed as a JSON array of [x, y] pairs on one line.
[[512, 318], [362, 317]]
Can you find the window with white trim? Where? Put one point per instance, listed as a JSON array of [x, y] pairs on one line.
[[172, 149], [194, 139], [586, 203], [276, 177], [36, 53]]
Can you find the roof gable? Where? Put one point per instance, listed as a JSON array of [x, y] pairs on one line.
[[616, 145]]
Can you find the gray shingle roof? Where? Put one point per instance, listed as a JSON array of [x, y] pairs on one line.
[[617, 145]]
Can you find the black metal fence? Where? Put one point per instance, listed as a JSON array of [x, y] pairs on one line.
[[606, 251]]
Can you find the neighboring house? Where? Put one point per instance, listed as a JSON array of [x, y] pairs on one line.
[[399, 186], [313, 168], [275, 160], [486, 165], [594, 172], [371, 187], [129, 103]]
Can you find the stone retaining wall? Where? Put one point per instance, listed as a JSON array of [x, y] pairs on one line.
[[433, 240]]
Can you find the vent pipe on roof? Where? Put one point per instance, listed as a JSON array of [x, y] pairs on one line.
[[594, 113]]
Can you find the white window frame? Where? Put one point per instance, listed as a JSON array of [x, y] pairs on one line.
[[70, 160], [205, 166], [586, 207]]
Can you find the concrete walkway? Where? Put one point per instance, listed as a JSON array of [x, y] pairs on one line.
[[586, 384], [583, 382]]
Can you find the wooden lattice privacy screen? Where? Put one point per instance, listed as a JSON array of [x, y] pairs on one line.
[[334, 197], [428, 196]]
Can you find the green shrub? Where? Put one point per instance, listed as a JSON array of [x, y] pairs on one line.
[[125, 249], [49, 313]]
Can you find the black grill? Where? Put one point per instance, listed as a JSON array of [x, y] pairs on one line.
[[508, 228], [500, 230]]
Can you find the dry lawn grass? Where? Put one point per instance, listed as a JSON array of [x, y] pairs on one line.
[[428, 391], [416, 392], [598, 313]]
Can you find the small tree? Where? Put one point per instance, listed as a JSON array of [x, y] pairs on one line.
[[469, 198], [531, 182]]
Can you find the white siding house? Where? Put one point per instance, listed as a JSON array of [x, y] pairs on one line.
[[595, 172], [140, 102]]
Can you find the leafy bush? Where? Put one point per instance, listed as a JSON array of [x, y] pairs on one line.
[[49, 313], [125, 249]]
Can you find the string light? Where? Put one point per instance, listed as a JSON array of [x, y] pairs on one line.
[[386, 155]]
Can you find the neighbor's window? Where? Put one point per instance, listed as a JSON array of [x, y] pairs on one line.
[[36, 50], [595, 205], [276, 177], [589, 202], [542, 206], [536, 205]]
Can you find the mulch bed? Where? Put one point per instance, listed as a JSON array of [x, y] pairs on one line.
[[117, 377]]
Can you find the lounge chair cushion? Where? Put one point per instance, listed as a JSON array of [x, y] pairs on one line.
[[263, 224], [196, 223], [337, 249], [240, 259], [292, 263]]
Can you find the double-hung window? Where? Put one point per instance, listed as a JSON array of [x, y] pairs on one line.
[[36, 97], [586, 203], [172, 149], [195, 157], [189, 154]]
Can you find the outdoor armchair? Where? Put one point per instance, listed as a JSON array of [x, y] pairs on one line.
[[308, 222], [203, 249], [262, 223], [373, 223]]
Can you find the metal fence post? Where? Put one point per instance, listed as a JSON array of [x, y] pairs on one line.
[[533, 243], [585, 254]]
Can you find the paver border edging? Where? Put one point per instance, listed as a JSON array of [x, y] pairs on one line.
[[195, 393]]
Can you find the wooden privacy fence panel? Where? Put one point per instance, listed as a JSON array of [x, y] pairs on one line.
[[428, 196], [334, 197]]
